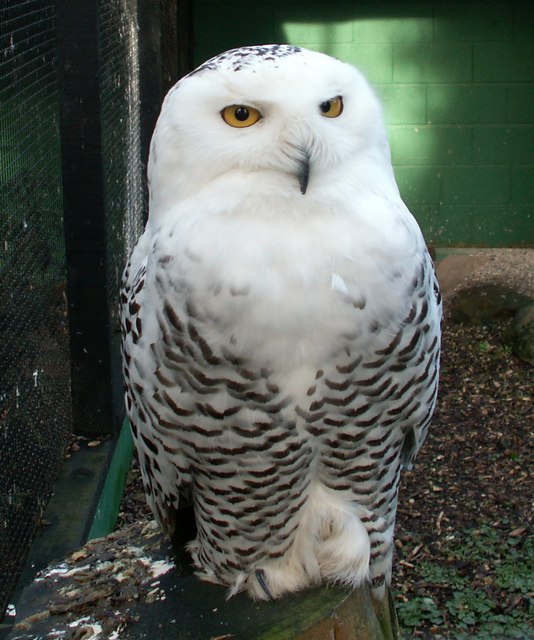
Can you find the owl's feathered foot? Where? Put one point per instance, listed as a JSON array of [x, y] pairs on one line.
[[331, 545]]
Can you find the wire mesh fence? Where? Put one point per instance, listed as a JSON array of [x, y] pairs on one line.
[[43, 284], [34, 355], [121, 136], [121, 149]]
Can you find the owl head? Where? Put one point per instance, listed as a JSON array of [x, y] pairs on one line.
[[272, 120]]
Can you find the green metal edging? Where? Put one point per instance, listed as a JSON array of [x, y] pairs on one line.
[[110, 498]]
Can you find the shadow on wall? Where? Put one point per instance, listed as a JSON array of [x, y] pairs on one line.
[[455, 80]]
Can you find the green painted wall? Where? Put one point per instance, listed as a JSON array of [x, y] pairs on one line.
[[457, 83]]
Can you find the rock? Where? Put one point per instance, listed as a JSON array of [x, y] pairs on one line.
[[455, 268], [486, 304], [520, 334]]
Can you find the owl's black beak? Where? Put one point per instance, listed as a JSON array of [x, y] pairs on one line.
[[304, 174]]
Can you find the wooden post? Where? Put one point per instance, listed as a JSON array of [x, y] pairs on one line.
[[130, 580]]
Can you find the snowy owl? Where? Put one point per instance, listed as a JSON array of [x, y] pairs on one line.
[[280, 320]]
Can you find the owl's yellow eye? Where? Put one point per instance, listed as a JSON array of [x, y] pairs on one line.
[[332, 108], [239, 115]]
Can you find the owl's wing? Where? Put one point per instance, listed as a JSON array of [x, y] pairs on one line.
[[163, 468], [428, 325]]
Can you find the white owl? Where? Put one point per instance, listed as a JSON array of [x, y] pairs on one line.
[[281, 323]]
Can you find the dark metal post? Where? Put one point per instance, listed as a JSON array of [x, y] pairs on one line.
[[184, 36], [150, 71], [165, 55], [85, 230]]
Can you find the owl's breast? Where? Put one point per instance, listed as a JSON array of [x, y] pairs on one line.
[[288, 290]]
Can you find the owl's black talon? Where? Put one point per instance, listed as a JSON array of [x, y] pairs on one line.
[[260, 577]]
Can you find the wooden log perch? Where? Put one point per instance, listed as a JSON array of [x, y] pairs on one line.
[[129, 585]]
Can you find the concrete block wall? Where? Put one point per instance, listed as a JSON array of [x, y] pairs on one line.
[[456, 79]]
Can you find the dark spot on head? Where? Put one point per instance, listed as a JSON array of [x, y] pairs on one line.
[[238, 59]]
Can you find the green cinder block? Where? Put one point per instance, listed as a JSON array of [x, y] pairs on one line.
[[520, 103], [476, 185], [492, 145], [486, 225], [473, 21], [418, 185], [466, 104], [430, 145], [374, 60], [476, 225], [403, 104], [523, 185], [395, 23], [524, 21], [503, 145], [522, 144], [520, 224], [510, 225], [503, 62], [456, 225], [298, 28], [432, 62]]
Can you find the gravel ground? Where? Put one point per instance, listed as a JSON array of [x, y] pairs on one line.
[[511, 267], [472, 477]]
